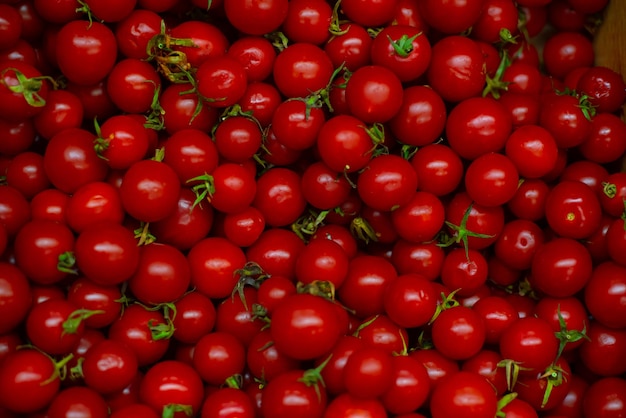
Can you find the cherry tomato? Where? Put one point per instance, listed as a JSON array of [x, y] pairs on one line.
[[573, 209], [458, 333], [29, 380], [218, 356], [106, 253], [463, 394], [305, 326], [109, 366], [301, 69], [86, 51], [258, 18], [451, 18], [410, 300], [491, 179], [15, 297], [172, 382], [456, 67]]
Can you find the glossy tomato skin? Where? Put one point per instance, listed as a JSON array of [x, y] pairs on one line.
[[573, 210], [288, 396], [563, 117], [135, 31], [374, 94], [345, 405], [496, 15], [149, 190], [485, 363], [30, 101], [464, 271], [218, 356], [351, 47], [458, 333], [257, 18], [322, 259], [208, 41], [518, 243], [163, 274], [491, 179], [19, 135], [533, 151], [305, 326], [531, 342], [604, 398], [41, 246], [92, 203], [605, 88], [296, 124], [213, 262], [16, 297], [368, 372], [566, 51], [78, 399], [187, 225], [477, 126], [181, 110], [49, 326], [456, 68], [530, 200], [463, 394], [409, 388], [109, 366], [363, 287], [233, 187], [138, 328], [561, 267], [26, 173], [606, 139], [276, 251], [410, 300], [532, 388], [370, 12], [235, 316], [228, 403], [256, 54], [63, 110], [238, 138], [600, 352], [37, 390], [450, 18], [485, 220], [308, 21], [86, 294], [195, 317], [421, 118], [70, 160], [302, 68], [171, 382], [390, 50], [75, 52], [265, 361], [132, 84], [221, 81], [387, 182], [603, 294], [107, 253], [323, 188], [279, 196]]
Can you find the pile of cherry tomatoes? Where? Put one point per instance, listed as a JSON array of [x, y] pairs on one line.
[[310, 209]]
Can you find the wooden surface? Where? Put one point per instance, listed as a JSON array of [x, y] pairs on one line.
[[610, 39]]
